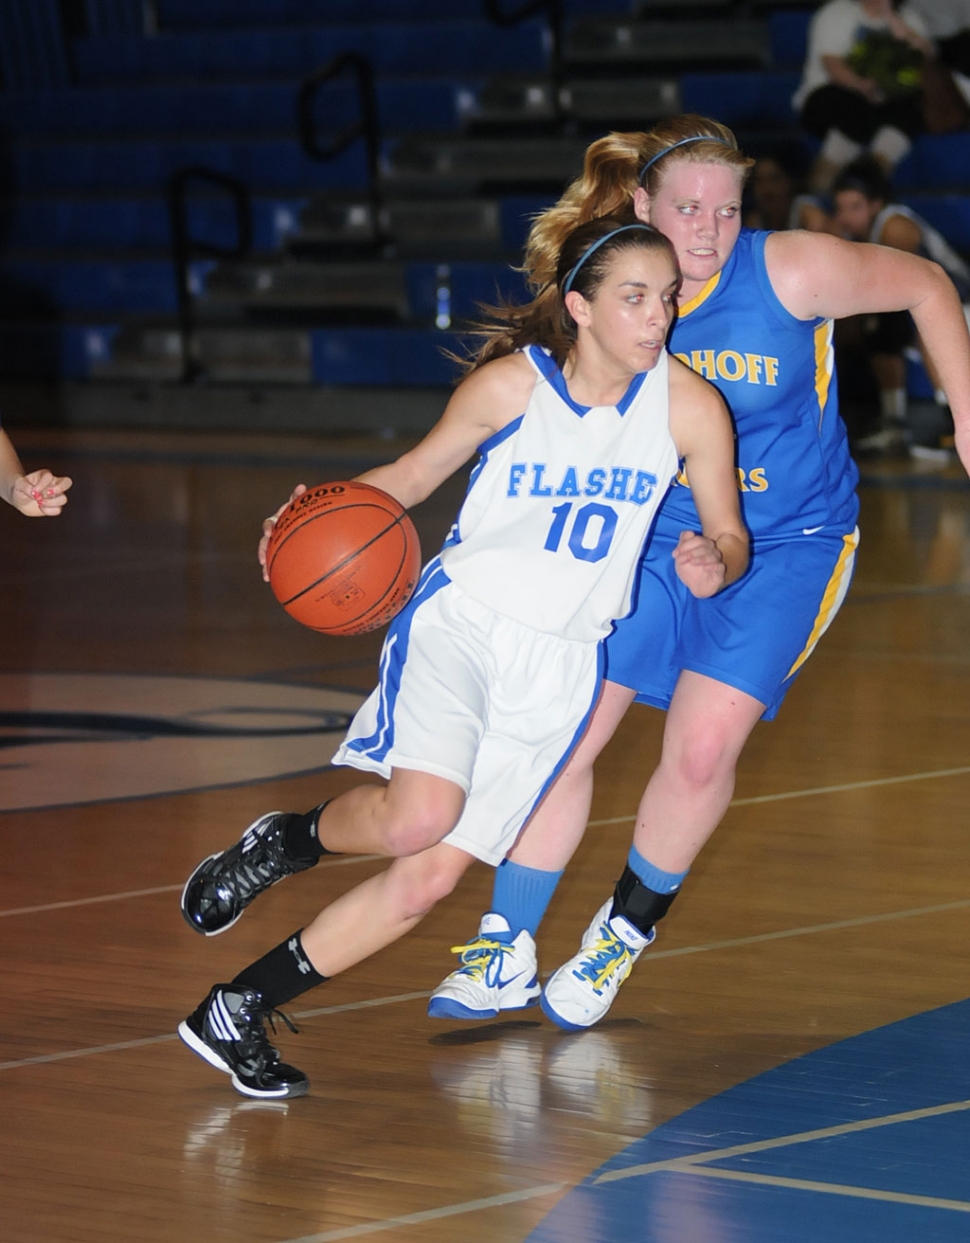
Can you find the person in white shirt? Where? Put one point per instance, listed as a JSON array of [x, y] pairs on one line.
[[860, 89]]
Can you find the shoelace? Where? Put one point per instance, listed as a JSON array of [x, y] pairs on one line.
[[478, 955], [604, 959], [254, 1046], [255, 865]]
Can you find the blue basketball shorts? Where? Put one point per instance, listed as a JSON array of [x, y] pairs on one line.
[[755, 635]]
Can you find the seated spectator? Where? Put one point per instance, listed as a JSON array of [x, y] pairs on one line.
[[861, 85], [773, 200], [947, 83], [865, 212]]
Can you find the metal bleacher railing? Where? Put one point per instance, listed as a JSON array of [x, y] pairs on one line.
[[185, 247], [366, 128]]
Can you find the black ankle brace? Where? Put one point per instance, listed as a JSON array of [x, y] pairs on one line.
[[640, 906]]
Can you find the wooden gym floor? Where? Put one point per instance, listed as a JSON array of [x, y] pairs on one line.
[[155, 699]]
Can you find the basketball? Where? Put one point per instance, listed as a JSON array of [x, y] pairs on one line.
[[343, 558]]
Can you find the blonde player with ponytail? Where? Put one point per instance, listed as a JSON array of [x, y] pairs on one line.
[[755, 318]]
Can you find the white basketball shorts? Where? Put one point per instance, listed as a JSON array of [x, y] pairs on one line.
[[472, 696]]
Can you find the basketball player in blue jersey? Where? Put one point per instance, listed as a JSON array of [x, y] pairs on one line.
[[755, 318], [40, 494], [490, 674]]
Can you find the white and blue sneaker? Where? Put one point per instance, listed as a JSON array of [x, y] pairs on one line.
[[495, 974], [581, 992]]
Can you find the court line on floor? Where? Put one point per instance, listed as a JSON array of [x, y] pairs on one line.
[[835, 1189], [432, 1214], [345, 860], [843, 788], [336, 862], [693, 1165], [698, 1164], [783, 1141], [375, 1002]]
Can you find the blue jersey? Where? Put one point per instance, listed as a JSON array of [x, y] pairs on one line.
[[798, 499], [777, 375]]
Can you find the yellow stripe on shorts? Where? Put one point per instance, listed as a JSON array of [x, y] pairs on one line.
[[832, 598]]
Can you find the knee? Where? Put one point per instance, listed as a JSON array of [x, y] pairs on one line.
[[435, 881], [421, 882], [416, 826], [703, 757]]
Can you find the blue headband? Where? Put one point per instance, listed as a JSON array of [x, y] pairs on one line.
[[666, 151], [568, 283]]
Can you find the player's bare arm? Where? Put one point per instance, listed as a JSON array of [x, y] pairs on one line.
[[702, 429], [814, 275], [485, 402]]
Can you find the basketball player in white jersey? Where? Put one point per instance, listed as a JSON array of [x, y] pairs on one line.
[[490, 674]]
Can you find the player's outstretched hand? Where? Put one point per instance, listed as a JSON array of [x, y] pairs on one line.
[[40, 494], [270, 523], [700, 566]]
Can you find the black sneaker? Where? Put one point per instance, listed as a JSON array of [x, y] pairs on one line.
[[227, 1031], [222, 886]]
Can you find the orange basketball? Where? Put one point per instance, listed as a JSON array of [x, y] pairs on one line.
[[343, 558]]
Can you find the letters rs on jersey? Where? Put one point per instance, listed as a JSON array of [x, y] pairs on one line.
[[560, 503], [794, 467]]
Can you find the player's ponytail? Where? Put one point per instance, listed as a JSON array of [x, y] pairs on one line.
[[581, 266]]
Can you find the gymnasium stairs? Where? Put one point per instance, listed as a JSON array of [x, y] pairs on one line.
[[201, 227]]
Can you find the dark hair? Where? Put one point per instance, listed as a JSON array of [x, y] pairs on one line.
[[587, 251], [582, 264], [867, 176]]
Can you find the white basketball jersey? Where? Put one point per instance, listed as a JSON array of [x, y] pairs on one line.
[[560, 503]]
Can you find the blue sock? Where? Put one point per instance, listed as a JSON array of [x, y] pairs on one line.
[[521, 895], [653, 877]]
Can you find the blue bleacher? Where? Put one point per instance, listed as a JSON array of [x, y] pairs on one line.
[[65, 351], [88, 235], [139, 224], [263, 164], [213, 14], [78, 286], [472, 285], [465, 47], [936, 162], [950, 213], [517, 213], [742, 99], [399, 356], [254, 108], [788, 37]]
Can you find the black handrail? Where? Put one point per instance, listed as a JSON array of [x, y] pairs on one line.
[[184, 246], [554, 8], [367, 126]]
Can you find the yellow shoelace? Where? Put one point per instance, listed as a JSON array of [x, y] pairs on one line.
[[477, 956]]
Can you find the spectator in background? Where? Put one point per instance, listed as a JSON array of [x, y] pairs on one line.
[[865, 212], [861, 86], [773, 199], [946, 80]]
